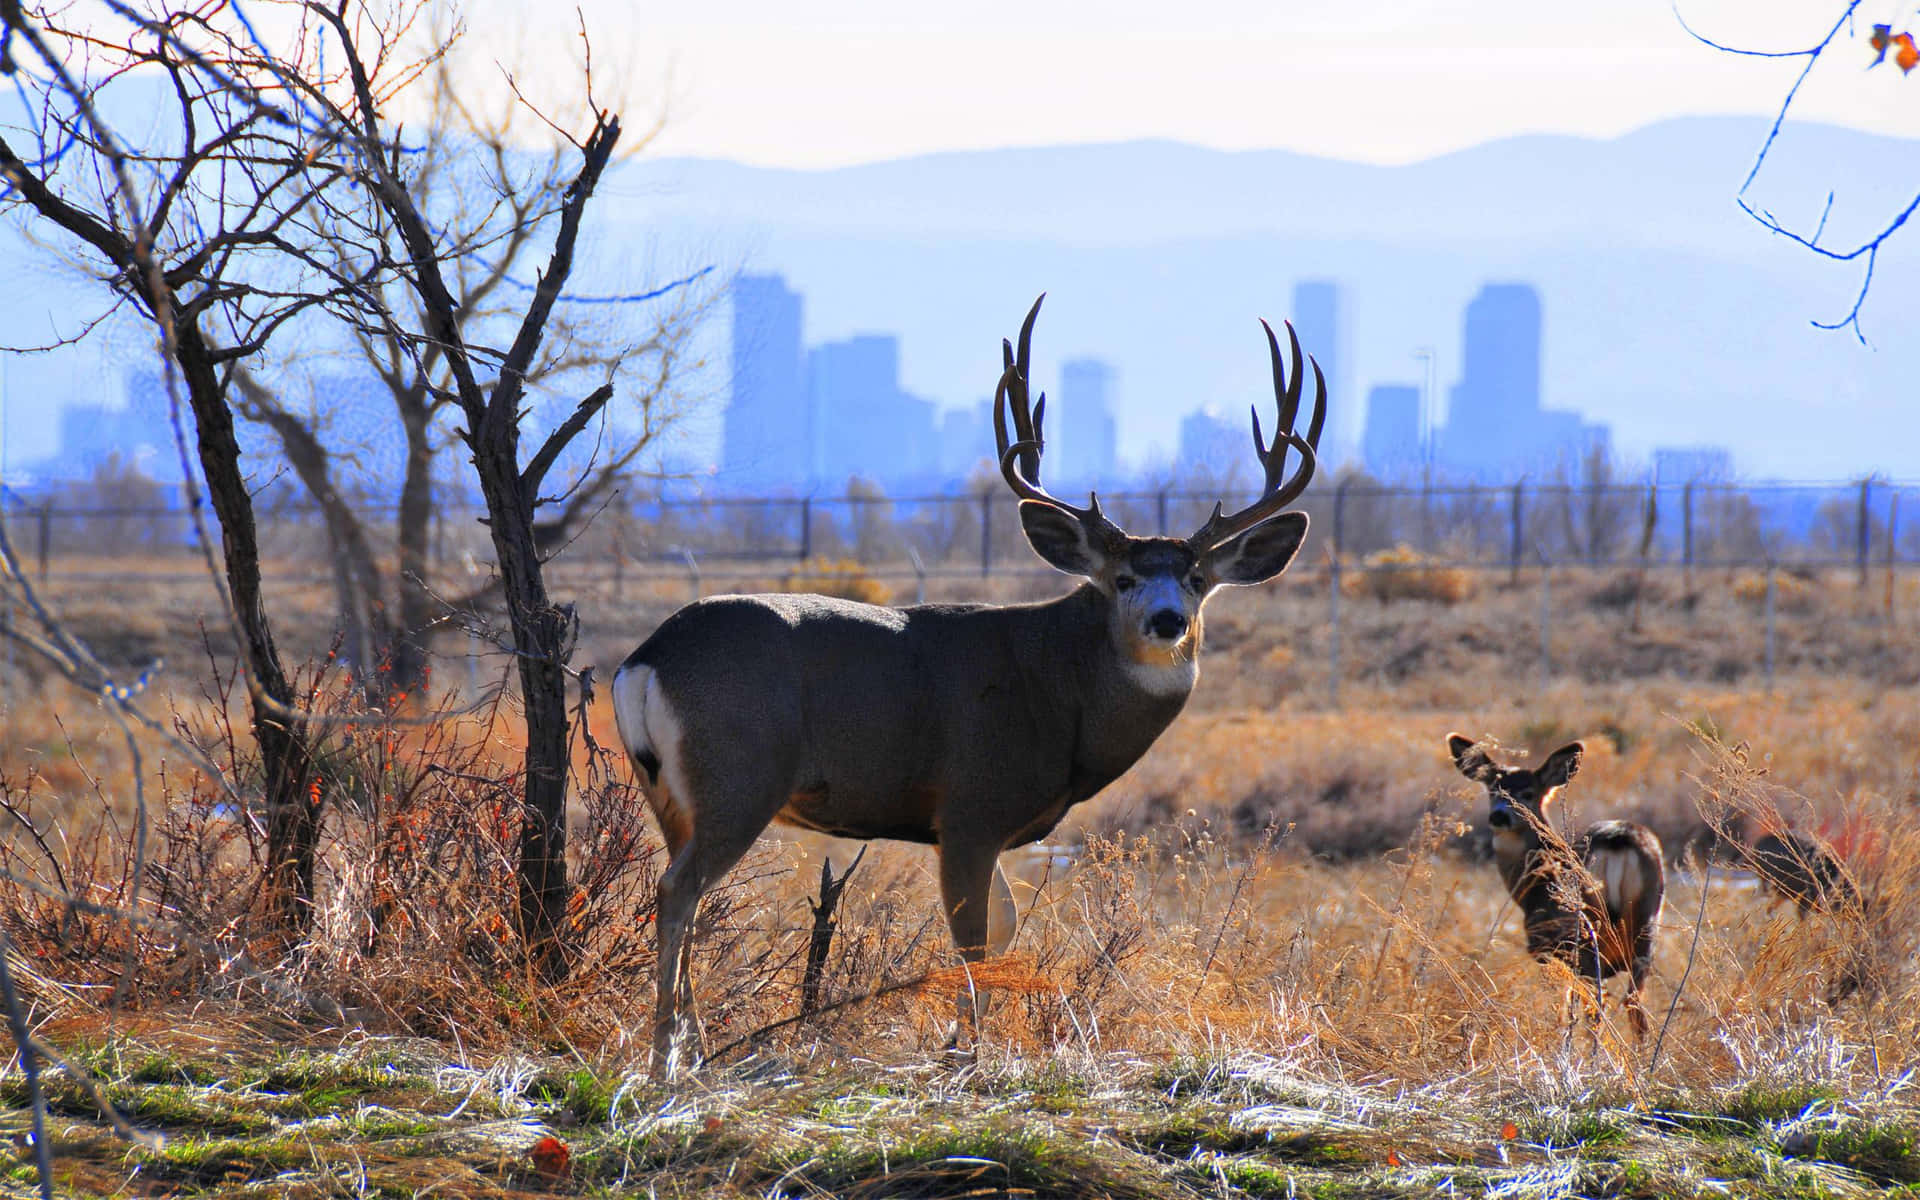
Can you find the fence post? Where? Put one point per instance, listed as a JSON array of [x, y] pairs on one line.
[[44, 536], [1769, 650], [986, 534], [473, 664], [693, 570], [1160, 503], [1863, 529], [806, 528], [1893, 539], [1546, 620], [1333, 621], [919, 576], [1340, 515], [1518, 514], [1686, 535]]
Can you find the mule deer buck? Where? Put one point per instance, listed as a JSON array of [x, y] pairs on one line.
[[970, 727], [1591, 903], [1795, 867]]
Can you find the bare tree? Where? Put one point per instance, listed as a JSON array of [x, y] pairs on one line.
[[487, 387], [196, 238], [490, 202], [1865, 250], [288, 195]]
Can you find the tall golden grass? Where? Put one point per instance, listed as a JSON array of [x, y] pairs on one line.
[[1280, 875]]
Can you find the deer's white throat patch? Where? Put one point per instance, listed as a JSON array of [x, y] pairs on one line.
[[1171, 676]]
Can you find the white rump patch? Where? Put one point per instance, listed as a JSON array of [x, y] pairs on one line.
[[647, 723], [1619, 873]]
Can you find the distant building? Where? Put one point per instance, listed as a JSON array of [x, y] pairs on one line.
[[966, 440], [1088, 436], [864, 424], [1692, 464], [1210, 442], [768, 436], [1493, 413], [1316, 319], [139, 433], [1391, 446], [1496, 429]]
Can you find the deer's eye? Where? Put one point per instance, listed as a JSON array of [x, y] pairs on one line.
[[1198, 583], [1124, 583]]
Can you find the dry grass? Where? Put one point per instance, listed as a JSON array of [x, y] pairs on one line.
[[1283, 909], [1403, 573]]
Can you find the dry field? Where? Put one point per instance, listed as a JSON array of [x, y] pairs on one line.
[[1271, 960]]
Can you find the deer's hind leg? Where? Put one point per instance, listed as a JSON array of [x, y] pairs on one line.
[[711, 813]]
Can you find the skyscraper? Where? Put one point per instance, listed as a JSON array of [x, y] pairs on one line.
[[1496, 428], [768, 437], [1391, 445], [1315, 314], [863, 423], [1210, 443], [1493, 413], [966, 440], [1088, 435]]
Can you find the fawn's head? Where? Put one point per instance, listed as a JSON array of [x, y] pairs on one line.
[[1157, 586], [1517, 797]]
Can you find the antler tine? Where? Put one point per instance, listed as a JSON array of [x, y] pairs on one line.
[[1277, 488], [1020, 453]]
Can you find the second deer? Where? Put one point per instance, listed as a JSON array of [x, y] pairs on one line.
[[1795, 867], [1591, 903]]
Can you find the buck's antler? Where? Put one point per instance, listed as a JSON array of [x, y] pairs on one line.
[[1020, 457], [1278, 490]]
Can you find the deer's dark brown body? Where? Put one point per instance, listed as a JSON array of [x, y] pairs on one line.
[[970, 727]]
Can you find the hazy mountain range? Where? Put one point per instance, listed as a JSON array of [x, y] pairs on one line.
[[1668, 312]]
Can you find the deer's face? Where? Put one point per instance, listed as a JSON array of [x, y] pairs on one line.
[[1158, 585], [1517, 797], [1158, 589]]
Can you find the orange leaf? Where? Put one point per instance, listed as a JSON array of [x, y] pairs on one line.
[[1509, 1131], [551, 1157], [1393, 1160], [1905, 57], [713, 1123], [1882, 34]]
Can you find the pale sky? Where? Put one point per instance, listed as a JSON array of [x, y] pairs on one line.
[[831, 83]]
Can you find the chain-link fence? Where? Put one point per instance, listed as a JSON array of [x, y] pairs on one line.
[[1861, 524]]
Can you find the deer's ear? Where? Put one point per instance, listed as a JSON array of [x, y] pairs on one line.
[[1060, 538], [1471, 759], [1563, 764], [1260, 553]]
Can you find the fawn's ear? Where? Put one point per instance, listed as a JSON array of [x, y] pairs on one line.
[[1471, 759], [1563, 764], [1061, 539]]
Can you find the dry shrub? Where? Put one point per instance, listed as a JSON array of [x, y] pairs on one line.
[[842, 577], [1404, 573], [1791, 592], [414, 927]]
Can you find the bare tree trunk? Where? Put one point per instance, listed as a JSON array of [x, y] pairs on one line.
[[293, 812], [540, 635], [418, 608]]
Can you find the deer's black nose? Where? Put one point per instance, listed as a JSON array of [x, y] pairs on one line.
[[1167, 623], [1500, 818]]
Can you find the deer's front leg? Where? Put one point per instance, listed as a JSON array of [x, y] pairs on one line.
[[966, 884]]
